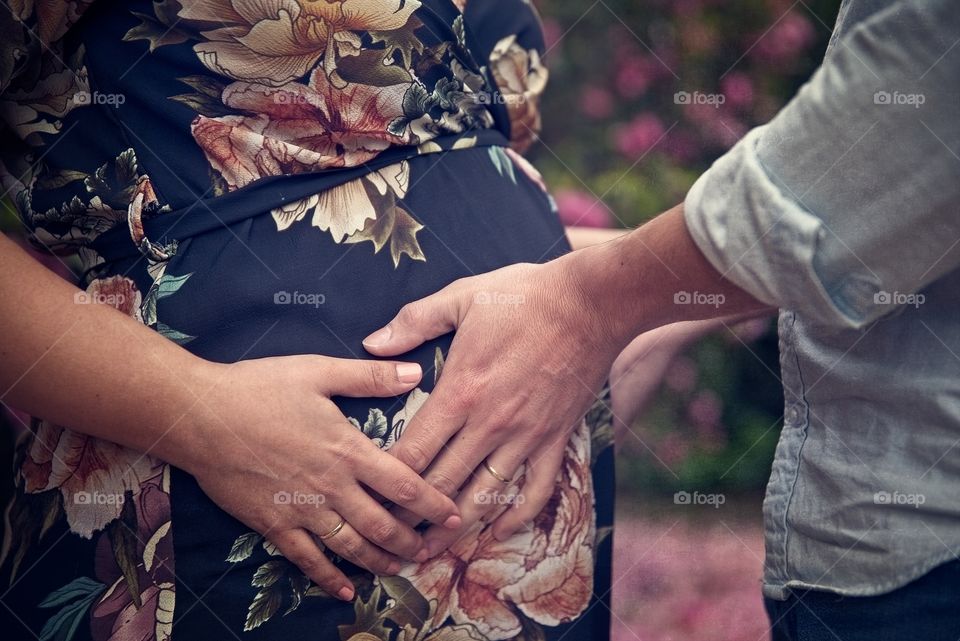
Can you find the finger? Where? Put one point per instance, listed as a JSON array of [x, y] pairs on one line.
[[540, 481], [483, 494], [360, 378], [378, 526], [301, 550], [431, 428], [399, 484], [418, 322], [350, 545], [453, 467]]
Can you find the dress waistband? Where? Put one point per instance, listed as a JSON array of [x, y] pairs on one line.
[[157, 236]]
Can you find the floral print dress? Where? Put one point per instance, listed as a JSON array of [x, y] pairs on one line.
[[255, 178]]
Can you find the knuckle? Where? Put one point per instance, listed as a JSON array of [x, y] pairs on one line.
[[345, 448], [377, 374], [412, 314], [443, 483], [414, 453], [311, 564], [385, 531], [352, 548], [406, 491]]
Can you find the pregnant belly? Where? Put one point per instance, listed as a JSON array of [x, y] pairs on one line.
[[265, 288], [254, 290]]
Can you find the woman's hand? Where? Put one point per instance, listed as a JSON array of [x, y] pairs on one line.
[[253, 433], [519, 375], [279, 456]]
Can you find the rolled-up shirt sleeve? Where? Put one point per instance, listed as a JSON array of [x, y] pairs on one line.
[[848, 201]]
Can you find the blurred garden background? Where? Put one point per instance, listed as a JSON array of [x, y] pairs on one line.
[[643, 96]]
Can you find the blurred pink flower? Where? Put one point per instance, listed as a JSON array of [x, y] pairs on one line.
[[737, 88], [580, 209], [596, 102], [785, 41], [635, 74], [639, 135]]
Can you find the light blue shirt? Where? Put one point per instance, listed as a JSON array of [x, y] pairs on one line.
[[844, 212]]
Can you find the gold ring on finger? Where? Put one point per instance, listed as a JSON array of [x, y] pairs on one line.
[[495, 474], [333, 532]]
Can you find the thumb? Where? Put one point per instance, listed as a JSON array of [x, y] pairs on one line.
[[360, 378], [416, 323]]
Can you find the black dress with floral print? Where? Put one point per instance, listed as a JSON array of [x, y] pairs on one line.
[[254, 178]]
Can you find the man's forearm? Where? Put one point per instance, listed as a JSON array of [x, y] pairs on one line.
[[653, 276], [91, 368]]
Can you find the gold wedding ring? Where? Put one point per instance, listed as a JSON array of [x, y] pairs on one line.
[[495, 474], [333, 532]]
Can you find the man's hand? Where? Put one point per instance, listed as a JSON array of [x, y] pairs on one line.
[[526, 362], [534, 343]]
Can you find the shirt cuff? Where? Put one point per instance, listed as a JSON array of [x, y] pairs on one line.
[[765, 242]]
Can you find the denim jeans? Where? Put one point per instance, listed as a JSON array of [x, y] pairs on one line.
[[927, 609]]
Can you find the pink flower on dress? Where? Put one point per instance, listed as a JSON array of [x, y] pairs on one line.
[[298, 128], [273, 43], [545, 573]]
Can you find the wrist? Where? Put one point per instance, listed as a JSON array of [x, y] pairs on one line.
[[611, 314], [194, 423]]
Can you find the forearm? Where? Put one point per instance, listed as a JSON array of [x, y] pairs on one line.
[[93, 369], [653, 276]]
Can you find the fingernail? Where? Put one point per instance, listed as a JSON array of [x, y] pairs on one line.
[[422, 555], [378, 338], [394, 567], [409, 372], [453, 522], [346, 593]]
